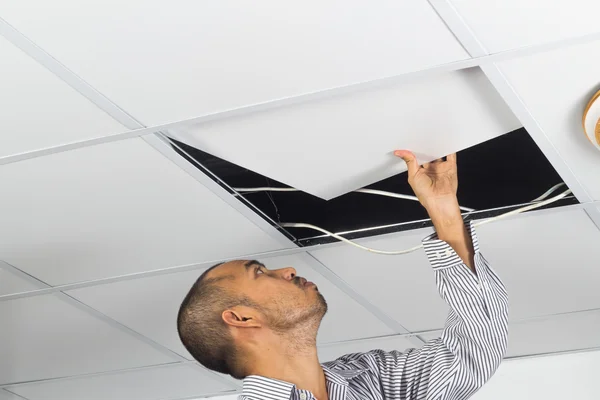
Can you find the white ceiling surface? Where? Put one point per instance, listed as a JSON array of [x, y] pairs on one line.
[[114, 209], [149, 305], [159, 383], [11, 282], [512, 24], [569, 376], [46, 337], [533, 254], [4, 395], [228, 54], [557, 333], [433, 117], [32, 118], [556, 86], [122, 207]]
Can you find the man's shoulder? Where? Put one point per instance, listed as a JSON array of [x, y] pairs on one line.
[[362, 361]]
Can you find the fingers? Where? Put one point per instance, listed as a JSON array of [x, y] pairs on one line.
[[450, 161], [451, 158], [413, 164], [432, 163], [410, 160]]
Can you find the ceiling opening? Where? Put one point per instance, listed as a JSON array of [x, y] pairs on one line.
[[494, 177]]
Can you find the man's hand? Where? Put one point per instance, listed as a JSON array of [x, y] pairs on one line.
[[435, 186], [433, 183]]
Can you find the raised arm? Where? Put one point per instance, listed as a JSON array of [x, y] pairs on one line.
[[473, 341]]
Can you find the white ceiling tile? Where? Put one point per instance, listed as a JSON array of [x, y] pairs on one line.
[[511, 24], [346, 319], [149, 305], [559, 333], [114, 209], [39, 110], [569, 376], [348, 140], [4, 395], [191, 58], [402, 286], [157, 383], [558, 107], [10, 282], [545, 267], [45, 337], [334, 351]]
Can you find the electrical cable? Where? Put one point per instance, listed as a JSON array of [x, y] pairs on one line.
[[537, 204], [548, 192], [367, 191]]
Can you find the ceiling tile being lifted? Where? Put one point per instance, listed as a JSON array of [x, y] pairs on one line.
[[295, 144]]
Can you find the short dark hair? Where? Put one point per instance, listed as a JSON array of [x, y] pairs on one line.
[[202, 329]]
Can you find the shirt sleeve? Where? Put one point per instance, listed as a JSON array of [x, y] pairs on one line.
[[473, 341]]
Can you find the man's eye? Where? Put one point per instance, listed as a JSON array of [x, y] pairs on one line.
[[259, 271]]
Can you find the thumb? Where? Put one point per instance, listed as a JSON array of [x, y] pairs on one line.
[[410, 159]]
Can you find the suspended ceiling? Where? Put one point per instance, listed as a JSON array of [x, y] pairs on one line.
[[104, 225]]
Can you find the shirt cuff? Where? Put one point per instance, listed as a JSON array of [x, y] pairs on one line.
[[441, 254]]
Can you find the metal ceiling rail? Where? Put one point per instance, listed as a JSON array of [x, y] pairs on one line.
[[138, 129], [444, 9], [200, 266], [155, 138], [327, 345], [466, 37]]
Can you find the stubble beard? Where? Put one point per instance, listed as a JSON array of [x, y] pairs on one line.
[[300, 327]]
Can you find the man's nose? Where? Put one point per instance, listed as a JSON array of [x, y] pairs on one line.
[[287, 273]]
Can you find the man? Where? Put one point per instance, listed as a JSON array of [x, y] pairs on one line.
[[243, 319]]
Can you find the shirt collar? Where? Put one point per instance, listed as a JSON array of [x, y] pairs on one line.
[[261, 387]]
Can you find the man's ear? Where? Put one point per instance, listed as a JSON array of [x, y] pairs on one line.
[[242, 317]]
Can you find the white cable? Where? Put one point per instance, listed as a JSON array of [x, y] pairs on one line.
[[383, 193], [487, 221], [548, 192], [343, 239], [526, 208], [367, 191]]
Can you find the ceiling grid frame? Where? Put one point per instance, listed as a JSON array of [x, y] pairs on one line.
[[94, 374], [177, 358], [159, 143], [237, 392], [26, 45], [464, 34], [199, 266], [193, 363], [10, 394], [156, 139]]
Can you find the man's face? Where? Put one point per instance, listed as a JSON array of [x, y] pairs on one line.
[[287, 300]]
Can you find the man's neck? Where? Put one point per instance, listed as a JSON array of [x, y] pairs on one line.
[[294, 364]]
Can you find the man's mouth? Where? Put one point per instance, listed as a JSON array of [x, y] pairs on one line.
[[304, 283]]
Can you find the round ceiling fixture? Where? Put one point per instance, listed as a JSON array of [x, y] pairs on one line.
[[591, 120]]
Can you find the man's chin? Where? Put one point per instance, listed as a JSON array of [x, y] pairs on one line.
[[322, 302]]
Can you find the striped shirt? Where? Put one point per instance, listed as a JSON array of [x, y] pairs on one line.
[[452, 367]]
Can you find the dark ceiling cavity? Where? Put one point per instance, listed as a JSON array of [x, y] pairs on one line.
[[494, 177]]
